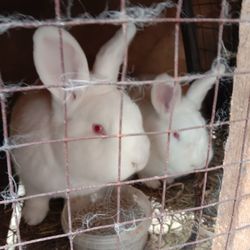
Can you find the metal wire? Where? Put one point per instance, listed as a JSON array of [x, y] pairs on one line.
[[204, 186], [176, 64], [61, 23], [65, 123], [8, 158]]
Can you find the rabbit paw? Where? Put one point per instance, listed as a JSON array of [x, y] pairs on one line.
[[35, 210], [170, 180], [156, 183], [153, 184]]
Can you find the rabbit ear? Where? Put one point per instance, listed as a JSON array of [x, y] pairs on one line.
[[165, 95], [110, 56], [198, 90], [48, 60]]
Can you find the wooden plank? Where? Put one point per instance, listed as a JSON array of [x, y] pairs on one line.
[[236, 180]]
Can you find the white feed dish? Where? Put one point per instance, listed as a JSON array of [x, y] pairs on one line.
[[133, 236]]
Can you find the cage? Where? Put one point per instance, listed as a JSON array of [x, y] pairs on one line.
[[203, 208]]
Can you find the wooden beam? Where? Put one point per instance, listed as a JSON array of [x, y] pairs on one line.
[[234, 211]]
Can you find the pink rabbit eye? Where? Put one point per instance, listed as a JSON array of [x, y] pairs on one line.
[[98, 129], [176, 135]]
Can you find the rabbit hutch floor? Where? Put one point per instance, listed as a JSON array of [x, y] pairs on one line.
[[178, 227]]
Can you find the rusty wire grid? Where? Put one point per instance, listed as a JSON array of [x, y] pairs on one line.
[[166, 194]]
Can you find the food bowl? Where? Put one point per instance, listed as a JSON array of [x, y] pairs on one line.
[[100, 209]]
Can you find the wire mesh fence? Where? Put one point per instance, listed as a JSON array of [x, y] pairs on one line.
[[93, 134]]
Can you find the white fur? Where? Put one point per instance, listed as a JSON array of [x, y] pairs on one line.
[[189, 152], [40, 114]]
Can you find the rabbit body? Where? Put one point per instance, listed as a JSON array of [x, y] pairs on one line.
[[92, 111], [189, 148]]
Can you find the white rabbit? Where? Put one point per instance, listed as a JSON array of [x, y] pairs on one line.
[[91, 111], [188, 149]]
